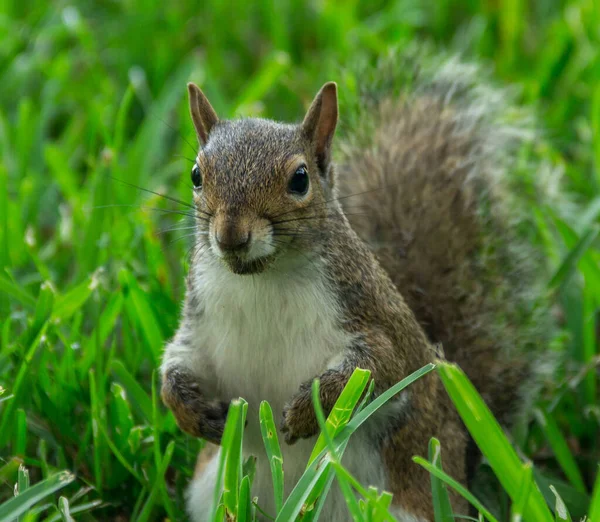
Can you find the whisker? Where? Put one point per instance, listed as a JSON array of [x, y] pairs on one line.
[[299, 232], [181, 237], [306, 218], [175, 200], [298, 236], [338, 199], [178, 131], [191, 253], [191, 234], [184, 157], [289, 245], [163, 210], [172, 229]]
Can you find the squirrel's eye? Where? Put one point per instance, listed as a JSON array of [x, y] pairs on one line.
[[196, 176], [299, 182]]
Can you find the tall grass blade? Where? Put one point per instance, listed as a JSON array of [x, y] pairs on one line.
[[19, 505], [442, 508], [491, 440], [560, 448], [274, 456]]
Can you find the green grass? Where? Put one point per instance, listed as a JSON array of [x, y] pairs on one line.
[[90, 280]]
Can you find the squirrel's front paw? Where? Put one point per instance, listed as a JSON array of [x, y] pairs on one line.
[[194, 413], [299, 419]]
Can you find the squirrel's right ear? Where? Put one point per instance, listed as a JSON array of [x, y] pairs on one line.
[[320, 122], [203, 115]]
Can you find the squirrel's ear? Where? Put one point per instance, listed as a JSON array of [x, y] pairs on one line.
[[320, 121], [203, 115]]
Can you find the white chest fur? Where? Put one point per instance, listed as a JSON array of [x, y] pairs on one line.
[[266, 334], [262, 337]]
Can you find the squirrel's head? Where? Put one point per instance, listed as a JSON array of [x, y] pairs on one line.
[[263, 189]]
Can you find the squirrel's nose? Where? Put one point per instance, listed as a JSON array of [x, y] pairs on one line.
[[232, 240]]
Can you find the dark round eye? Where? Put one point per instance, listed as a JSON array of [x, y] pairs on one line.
[[196, 176], [299, 182]]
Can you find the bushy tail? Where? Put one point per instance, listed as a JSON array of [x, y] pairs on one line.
[[445, 206]]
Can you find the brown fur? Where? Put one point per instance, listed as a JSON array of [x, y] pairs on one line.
[[422, 183], [391, 345], [424, 222]]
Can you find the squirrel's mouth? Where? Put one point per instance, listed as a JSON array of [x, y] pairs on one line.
[[240, 266]]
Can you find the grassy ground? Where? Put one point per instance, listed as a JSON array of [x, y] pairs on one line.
[[89, 292]]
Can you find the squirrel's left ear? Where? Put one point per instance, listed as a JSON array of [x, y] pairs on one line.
[[319, 123], [203, 115]]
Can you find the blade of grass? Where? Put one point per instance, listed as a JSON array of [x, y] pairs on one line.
[[4, 235], [490, 439], [595, 503], [157, 427], [65, 510], [109, 317], [560, 448], [10, 469], [342, 410], [19, 505], [340, 415], [271, 442], [139, 398], [158, 484], [35, 334], [66, 305], [569, 264], [121, 417], [22, 484], [360, 418], [140, 311], [578, 502], [579, 255], [456, 486], [120, 457], [97, 421], [518, 506], [321, 490], [560, 511], [233, 464], [21, 439], [590, 341], [233, 415], [309, 479], [244, 505], [10, 288], [351, 502], [81, 508], [442, 508]]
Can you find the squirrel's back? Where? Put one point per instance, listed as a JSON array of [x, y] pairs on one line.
[[429, 179]]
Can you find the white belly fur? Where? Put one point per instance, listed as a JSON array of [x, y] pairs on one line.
[[265, 335]]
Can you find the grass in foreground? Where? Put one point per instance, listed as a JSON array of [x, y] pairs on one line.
[[233, 500]]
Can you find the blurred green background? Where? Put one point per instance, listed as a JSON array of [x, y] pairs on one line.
[[91, 277]]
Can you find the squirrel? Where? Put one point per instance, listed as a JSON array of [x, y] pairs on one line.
[[289, 282]]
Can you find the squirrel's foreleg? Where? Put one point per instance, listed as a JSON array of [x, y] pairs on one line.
[[188, 387], [372, 350], [194, 412]]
